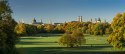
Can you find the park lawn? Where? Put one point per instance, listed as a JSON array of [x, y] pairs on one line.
[[48, 44]]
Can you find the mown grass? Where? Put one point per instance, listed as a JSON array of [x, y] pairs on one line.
[[48, 44]]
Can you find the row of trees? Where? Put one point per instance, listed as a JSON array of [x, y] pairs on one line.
[[26, 29], [85, 27]]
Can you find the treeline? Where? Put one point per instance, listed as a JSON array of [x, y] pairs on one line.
[[98, 28], [27, 29]]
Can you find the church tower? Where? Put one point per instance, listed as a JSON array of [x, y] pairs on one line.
[[34, 20], [79, 19], [99, 20], [41, 21]]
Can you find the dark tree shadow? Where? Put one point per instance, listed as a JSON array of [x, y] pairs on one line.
[[66, 50]]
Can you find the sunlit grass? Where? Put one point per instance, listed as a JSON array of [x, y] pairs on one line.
[[48, 44]]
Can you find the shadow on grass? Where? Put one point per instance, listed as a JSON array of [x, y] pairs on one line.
[[29, 38], [44, 35], [48, 35], [65, 50], [36, 43]]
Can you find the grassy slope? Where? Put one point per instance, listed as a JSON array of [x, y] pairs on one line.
[[48, 44]]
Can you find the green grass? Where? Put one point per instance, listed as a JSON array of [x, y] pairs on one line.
[[48, 44]]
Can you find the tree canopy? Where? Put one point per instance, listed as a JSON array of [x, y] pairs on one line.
[[8, 38], [117, 37], [72, 40]]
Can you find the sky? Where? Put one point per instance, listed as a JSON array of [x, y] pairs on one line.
[[65, 10]]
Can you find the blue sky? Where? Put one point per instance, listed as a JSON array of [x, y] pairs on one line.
[[65, 10]]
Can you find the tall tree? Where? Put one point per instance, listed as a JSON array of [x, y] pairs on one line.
[[7, 25], [117, 37]]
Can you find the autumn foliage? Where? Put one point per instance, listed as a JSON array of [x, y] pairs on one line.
[[117, 37], [72, 40]]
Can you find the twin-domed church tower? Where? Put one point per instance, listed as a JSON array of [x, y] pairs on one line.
[[79, 18], [35, 22]]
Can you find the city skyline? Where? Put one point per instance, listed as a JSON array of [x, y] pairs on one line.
[[65, 10]]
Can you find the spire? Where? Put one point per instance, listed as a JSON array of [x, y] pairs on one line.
[[81, 19], [41, 21], [99, 19], [78, 19]]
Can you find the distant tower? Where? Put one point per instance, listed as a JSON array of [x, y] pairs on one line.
[[41, 21], [99, 20], [78, 19], [34, 20], [81, 19], [95, 20]]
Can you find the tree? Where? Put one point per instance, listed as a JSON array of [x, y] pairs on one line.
[[79, 37], [20, 29], [3, 38], [67, 40], [117, 37], [31, 29], [96, 29], [40, 28], [58, 29], [49, 28], [7, 25], [72, 40]]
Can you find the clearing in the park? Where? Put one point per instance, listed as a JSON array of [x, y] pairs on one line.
[[48, 44]]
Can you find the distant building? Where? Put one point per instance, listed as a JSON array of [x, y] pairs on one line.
[[97, 21], [34, 22], [58, 23], [79, 19], [74, 21]]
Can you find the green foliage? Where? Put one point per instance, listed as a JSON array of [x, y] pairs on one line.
[[31, 29], [7, 25], [70, 26], [72, 40], [3, 38], [20, 29], [117, 37], [58, 29], [40, 29], [79, 37], [67, 40], [49, 28]]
